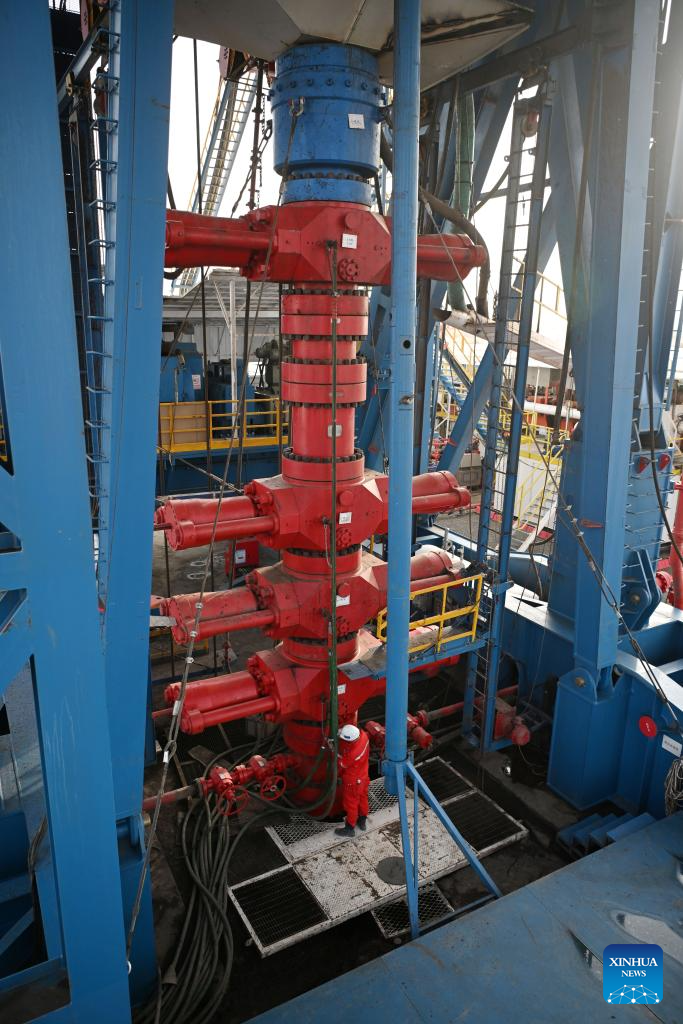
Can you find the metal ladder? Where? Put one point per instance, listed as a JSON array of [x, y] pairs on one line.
[[524, 205], [82, 180], [226, 128], [98, 256]]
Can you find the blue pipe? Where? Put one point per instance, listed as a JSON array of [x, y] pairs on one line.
[[402, 374]]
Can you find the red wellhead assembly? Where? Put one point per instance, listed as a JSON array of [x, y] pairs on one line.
[[325, 253]]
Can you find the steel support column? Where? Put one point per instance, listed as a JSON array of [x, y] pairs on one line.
[[134, 302], [402, 367], [397, 768], [54, 566], [596, 473]]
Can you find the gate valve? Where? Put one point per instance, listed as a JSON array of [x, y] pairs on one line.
[[416, 731], [273, 787], [230, 785], [376, 734], [510, 725], [415, 727], [520, 734]]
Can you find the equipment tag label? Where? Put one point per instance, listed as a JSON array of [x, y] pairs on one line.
[[196, 381], [341, 688], [349, 241], [342, 601], [344, 518], [673, 746], [356, 121]]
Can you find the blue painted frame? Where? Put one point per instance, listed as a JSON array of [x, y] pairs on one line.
[[45, 503]]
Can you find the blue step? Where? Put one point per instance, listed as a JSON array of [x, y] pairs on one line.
[[570, 836], [582, 829], [629, 827], [598, 837]]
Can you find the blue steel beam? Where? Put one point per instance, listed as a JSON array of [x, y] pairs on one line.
[[598, 457], [407, 29], [595, 476], [134, 301], [480, 389], [396, 768], [667, 223], [48, 509]]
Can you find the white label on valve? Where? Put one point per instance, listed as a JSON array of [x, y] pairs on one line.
[[349, 241], [196, 381], [338, 430], [356, 121], [341, 688], [345, 518], [673, 746], [240, 556], [342, 601]]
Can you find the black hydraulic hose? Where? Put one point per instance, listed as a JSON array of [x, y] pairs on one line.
[[459, 221]]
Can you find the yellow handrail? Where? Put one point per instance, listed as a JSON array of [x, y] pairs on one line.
[[440, 619], [262, 422]]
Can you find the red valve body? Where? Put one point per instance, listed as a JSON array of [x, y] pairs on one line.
[[293, 600]]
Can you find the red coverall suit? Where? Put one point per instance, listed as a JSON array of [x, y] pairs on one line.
[[354, 758]]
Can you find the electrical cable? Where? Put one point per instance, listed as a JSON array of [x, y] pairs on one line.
[[202, 292], [334, 708], [578, 237], [171, 743]]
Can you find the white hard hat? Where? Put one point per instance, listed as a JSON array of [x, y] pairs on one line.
[[349, 732]]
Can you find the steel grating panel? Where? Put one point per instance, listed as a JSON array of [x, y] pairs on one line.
[[247, 863], [392, 919], [444, 782], [344, 880], [482, 823], [302, 835], [276, 907], [339, 876], [437, 853]]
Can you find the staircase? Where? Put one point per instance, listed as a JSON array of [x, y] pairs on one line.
[[455, 381], [505, 411], [226, 128]]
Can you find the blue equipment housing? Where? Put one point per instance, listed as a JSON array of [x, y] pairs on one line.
[[335, 148]]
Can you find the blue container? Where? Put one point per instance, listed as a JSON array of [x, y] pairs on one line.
[[335, 147]]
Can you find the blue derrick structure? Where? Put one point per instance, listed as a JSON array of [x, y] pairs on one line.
[[79, 640], [74, 622]]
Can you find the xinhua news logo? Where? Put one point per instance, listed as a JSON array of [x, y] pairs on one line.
[[633, 974]]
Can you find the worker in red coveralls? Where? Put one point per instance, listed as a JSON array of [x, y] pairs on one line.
[[354, 760]]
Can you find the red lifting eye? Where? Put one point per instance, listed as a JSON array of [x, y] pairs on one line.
[[647, 726], [664, 461]]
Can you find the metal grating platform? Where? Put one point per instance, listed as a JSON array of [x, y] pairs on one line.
[[481, 822], [443, 780], [302, 835], [337, 878], [392, 919], [277, 906]]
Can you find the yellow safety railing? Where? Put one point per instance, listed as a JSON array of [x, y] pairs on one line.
[[437, 623], [259, 423]]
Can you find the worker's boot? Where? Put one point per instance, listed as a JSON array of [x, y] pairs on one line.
[[346, 830], [362, 823]]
